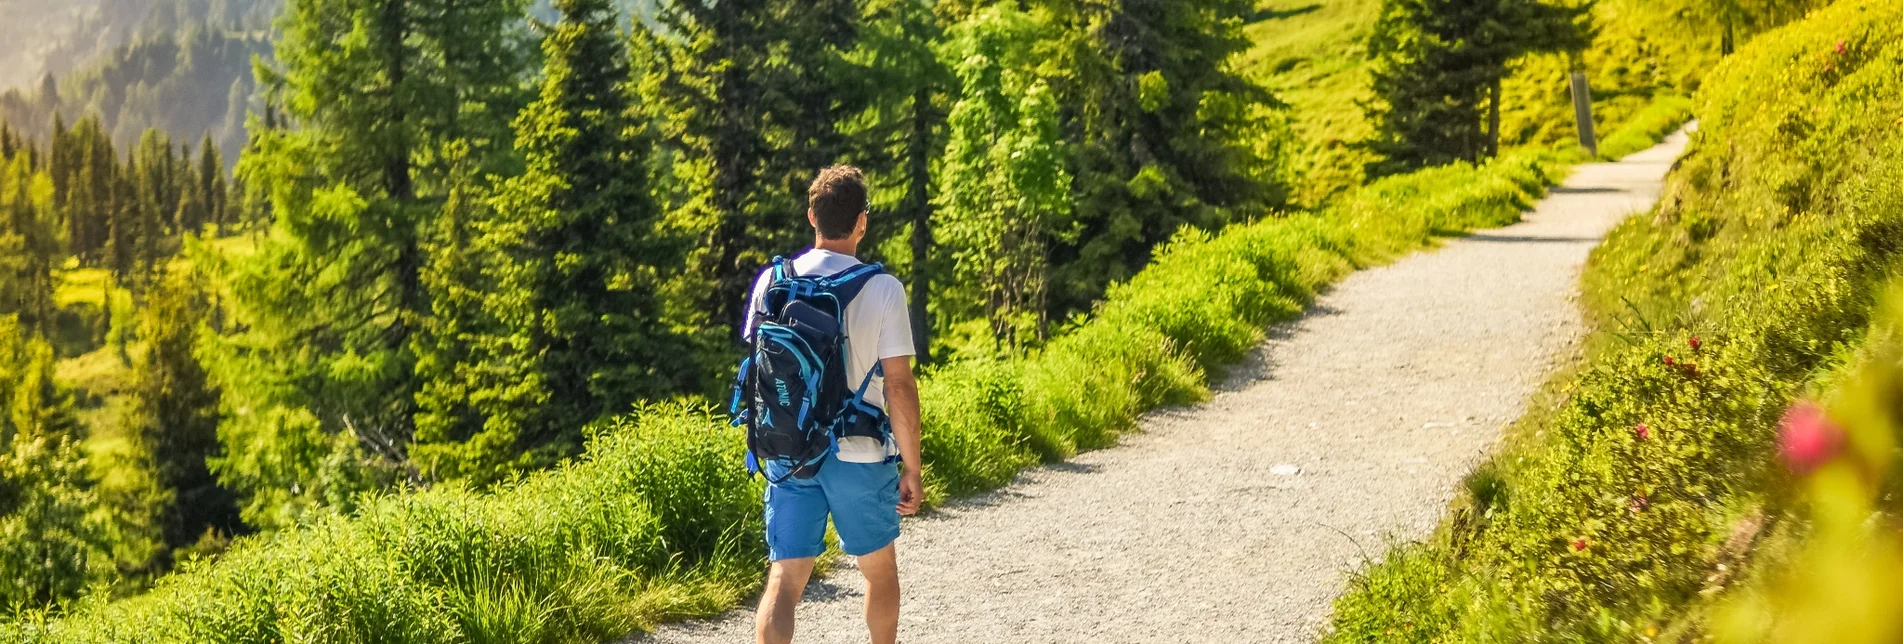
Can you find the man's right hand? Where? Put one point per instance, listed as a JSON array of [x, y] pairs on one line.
[[911, 492]]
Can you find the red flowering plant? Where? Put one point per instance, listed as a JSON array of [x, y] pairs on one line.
[[1844, 583]]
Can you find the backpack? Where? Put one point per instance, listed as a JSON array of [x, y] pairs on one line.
[[791, 392]]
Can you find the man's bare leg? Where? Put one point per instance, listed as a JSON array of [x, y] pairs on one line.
[[785, 582], [881, 569]]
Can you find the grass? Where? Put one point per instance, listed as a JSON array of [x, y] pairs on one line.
[[1649, 503], [1310, 53]]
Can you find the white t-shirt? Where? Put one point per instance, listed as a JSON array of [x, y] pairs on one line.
[[877, 327]]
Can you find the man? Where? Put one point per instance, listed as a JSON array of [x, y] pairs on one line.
[[857, 485]]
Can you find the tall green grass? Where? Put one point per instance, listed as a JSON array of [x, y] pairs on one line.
[[659, 519], [1652, 492]]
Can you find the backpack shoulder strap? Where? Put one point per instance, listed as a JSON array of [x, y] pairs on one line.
[[773, 296], [846, 284]]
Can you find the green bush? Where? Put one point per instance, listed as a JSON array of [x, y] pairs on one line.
[[1633, 508]]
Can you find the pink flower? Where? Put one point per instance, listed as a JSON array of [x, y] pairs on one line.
[[1669, 361], [1641, 431], [1579, 544], [1694, 342], [1840, 47], [1640, 503], [1807, 439]]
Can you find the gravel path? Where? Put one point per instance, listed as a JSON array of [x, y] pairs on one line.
[[1238, 520]]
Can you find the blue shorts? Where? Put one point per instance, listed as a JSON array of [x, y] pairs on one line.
[[863, 499]]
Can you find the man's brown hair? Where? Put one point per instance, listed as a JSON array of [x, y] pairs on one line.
[[837, 197]]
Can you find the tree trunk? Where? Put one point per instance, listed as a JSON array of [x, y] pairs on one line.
[[396, 166], [920, 170], [1493, 120]]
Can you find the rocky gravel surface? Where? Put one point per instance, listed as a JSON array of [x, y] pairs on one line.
[[1240, 519]]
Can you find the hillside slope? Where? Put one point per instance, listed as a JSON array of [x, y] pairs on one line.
[[1312, 54], [1661, 497]]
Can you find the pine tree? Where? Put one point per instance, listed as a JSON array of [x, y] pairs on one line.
[[325, 366], [26, 199], [157, 201], [190, 217], [90, 205], [211, 183], [750, 91], [1166, 129], [1436, 62], [122, 225], [175, 408], [901, 136], [61, 161], [569, 329]]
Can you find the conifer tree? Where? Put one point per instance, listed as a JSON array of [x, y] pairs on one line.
[[122, 226], [1437, 71], [175, 413], [751, 91], [157, 201], [90, 203], [190, 216], [569, 329], [901, 136], [211, 182], [60, 161], [1167, 132], [373, 92], [26, 202]]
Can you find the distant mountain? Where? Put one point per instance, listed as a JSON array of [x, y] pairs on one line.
[[182, 66], [58, 36], [32, 29]]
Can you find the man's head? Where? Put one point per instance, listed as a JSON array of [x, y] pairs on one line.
[[837, 201]]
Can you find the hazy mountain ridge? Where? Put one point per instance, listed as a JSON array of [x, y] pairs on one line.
[[33, 29], [182, 66]]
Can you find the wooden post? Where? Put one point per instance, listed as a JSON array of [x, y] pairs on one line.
[[1493, 120], [1582, 113]]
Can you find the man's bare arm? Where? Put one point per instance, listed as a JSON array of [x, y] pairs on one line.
[[901, 404]]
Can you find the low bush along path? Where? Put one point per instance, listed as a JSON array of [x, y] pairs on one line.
[[1239, 520]]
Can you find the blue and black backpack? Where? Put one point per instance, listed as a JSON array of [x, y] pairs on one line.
[[791, 392]]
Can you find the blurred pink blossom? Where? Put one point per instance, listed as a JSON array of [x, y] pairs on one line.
[[1807, 439]]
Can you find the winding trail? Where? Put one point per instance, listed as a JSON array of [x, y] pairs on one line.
[[1200, 528]]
